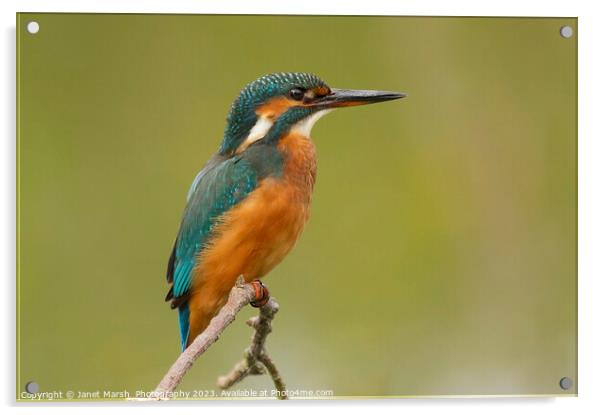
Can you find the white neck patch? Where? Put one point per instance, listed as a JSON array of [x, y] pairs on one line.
[[259, 130], [304, 126]]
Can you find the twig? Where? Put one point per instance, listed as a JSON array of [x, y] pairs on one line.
[[256, 359], [240, 295]]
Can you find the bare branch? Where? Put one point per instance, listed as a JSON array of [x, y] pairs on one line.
[[240, 295]]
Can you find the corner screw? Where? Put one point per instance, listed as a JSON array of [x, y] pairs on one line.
[[566, 383]]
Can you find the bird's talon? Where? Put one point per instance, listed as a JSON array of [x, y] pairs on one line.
[[262, 294]]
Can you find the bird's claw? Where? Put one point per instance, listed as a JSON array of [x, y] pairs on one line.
[[262, 294]]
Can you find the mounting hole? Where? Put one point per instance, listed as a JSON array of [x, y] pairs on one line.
[[32, 387], [565, 383], [566, 32], [33, 27]]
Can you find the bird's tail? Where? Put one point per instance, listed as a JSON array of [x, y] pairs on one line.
[[196, 312], [184, 320]]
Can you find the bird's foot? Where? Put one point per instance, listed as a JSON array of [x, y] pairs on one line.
[[262, 294]]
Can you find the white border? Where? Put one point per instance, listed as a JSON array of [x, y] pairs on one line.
[[590, 185]]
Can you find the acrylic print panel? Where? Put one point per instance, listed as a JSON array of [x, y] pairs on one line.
[[440, 256]]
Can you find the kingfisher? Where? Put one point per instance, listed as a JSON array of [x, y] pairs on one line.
[[248, 205]]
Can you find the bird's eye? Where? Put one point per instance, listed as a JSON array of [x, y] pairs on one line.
[[297, 94]]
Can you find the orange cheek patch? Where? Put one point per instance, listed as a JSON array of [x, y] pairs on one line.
[[275, 107], [322, 91]]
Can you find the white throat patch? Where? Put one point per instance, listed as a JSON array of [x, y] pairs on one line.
[[304, 126]]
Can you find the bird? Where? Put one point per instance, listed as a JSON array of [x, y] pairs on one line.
[[248, 205]]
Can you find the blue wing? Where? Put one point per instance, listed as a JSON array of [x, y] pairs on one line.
[[221, 184]]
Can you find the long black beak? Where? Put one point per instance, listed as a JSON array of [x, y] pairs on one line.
[[353, 97]]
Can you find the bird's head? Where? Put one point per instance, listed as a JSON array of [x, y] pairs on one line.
[[272, 105]]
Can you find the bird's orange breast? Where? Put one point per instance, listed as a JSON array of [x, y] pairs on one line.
[[256, 235]]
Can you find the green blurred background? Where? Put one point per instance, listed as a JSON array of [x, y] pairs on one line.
[[440, 258]]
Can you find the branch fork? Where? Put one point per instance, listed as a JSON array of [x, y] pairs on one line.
[[256, 360]]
